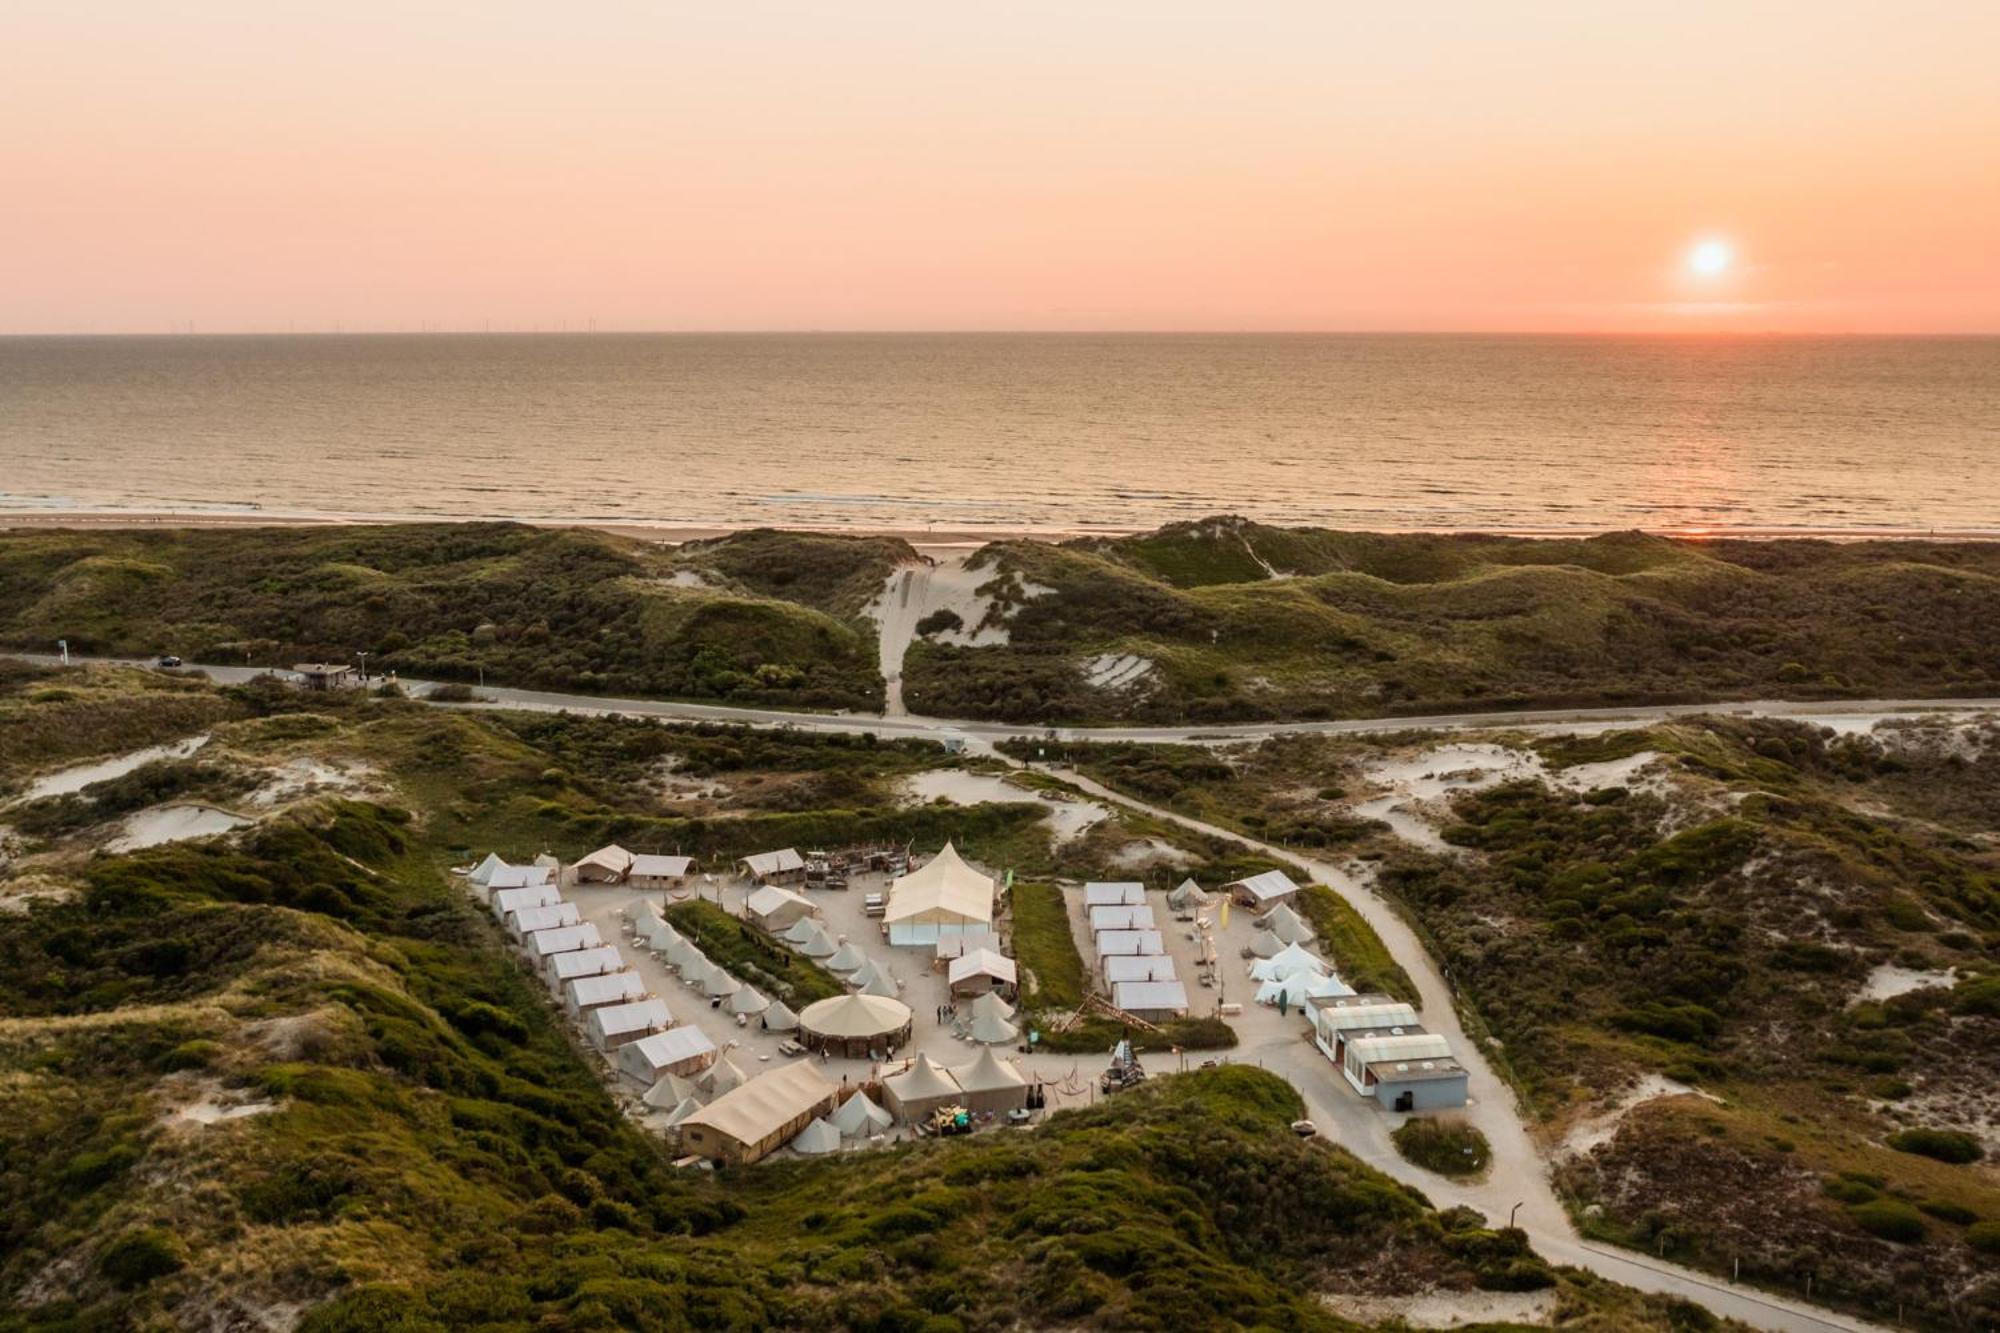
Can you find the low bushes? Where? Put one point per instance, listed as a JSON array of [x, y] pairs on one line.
[[1944, 1145], [1444, 1144]]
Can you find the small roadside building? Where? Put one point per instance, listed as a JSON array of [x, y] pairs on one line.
[[1152, 1001], [1404, 1069], [777, 909], [1121, 918], [989, 1085], [980, 971], [1120, 893], [582, 994], [607, 865], [528, 920], [784, 866], [919, 1090], [751, 1121], [1138, 967], [613, 1025], [1264, 891], [650, 871], [680, 1052], [325, 675], [945, 897], [545, 944], [563, 968]]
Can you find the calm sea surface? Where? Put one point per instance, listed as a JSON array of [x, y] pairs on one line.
[[1020, 432]]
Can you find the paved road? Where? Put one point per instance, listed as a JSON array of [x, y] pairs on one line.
[[1519, 1174]]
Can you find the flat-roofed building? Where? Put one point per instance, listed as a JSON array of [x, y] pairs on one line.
[[1405, 1069]]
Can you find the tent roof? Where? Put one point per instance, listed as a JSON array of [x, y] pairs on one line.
[[483, 872], [1118, 893], [695, 968], [846, 958], [562, 939], [669, 1090], [747, 1000], [801, 930], [1329, 985], [982, 962], [779, 1018], [779, 862], [859, 1116], [1288, 961], [1288, 925], [991, 1030], [772, 897], [1149, 995], [604, 987], [1265, 887], [880, 985], [725, 1075], [1122, 916], [674, 1045], [586, 962], [922, 1081], [516, 877], [650, 866], [991, 1003], [1139, 967], [718, 984], [636, 1016], [946, 887], [987, 1073], [686, 1107], [507, 900], [1188, 894], [855, 1016], [1293, 990], [818, 945], [645, 916], [817, 1138], [763, 1105], [1110, 942], [609, 857], [1264, 944]]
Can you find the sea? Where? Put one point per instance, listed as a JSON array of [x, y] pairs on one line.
[[1045, 433]]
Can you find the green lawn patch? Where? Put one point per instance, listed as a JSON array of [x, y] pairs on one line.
[[748, 954], [1052, 972]]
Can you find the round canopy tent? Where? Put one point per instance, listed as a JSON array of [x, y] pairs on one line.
[[680, 952], [779, 1018], [1287, 962], [881, 985], [669, 1091], [857, 1026], [991, 1005], [801, 930], [991, 1030], [1287, 925], [846, 958], [919, 1090], [695, 968], [719, 984], [1264, 944], [862, 975], [682, 1109], [722, 1076], [818, 1138], [988, 1084], [818, 945]]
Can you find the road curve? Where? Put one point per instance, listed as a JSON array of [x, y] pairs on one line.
[[1541, 1213]]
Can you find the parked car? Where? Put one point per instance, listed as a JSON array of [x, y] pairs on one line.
[[168, 660]]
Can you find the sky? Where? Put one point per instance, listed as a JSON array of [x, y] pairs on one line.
[[218, 165]]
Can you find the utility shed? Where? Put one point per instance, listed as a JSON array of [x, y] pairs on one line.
[[582, 994], [1153, 1001], [562, 968], [616, 1024], [1121, 893], [1262, 891], [607, 865], [1121, 918], [945, 897], [753, 1120], [649, 871], [682, 1052], [545, 943], [784, 866]]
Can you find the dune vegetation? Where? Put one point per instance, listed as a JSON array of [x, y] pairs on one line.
[[295, 1076]]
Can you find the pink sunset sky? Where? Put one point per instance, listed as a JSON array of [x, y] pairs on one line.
[[225, 165]]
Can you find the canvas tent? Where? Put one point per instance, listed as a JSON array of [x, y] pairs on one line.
[[1138, 967], [919, 1090], [752, 1120], [668, 1090], [818, 944], [989, 1003], [1264, 944], [1189, 897], [724, 1075], [855, 1025], [562, 939], [1153, 1001], [945, 897], [801, 931], [607, 865], [719, 985], [644, 915], [582, 994], [614, 1025], [747, 1000], [1292, 992], [991, 1030], [817, 1139], [779, 1018], [660, 937], [563, 968], [990, 1085], [846, 958], [676, 1052], [531, 919], [1113, 942], [649, 871], [1121, 918], [979, 972], [506, 902], [682, 1109], [775, 908], [860, 1118], [1123, 893], [784, 866], [1288, 961], [1262, 891], [881, 984], [949, 947], [1288, 925], [482, 874]]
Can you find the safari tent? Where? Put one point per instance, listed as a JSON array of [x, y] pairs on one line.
[[945, 897], [752, 1120]]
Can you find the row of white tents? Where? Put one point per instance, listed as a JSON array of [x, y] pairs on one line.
[[698, 972]]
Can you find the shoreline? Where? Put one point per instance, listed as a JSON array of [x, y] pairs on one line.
[[928, 537]]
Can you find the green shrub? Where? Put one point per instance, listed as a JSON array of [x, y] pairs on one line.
[[1890, 1219], [1944, 1145], [1444, 1144], [1984, 1237], [142, 1256], [1944, 1210]]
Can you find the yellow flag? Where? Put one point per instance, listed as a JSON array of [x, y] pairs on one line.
[[1224, 918]]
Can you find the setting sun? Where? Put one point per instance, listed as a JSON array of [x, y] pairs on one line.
[[1711, 258]]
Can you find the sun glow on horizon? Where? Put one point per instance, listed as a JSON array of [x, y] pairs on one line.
[[1711, 257]]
